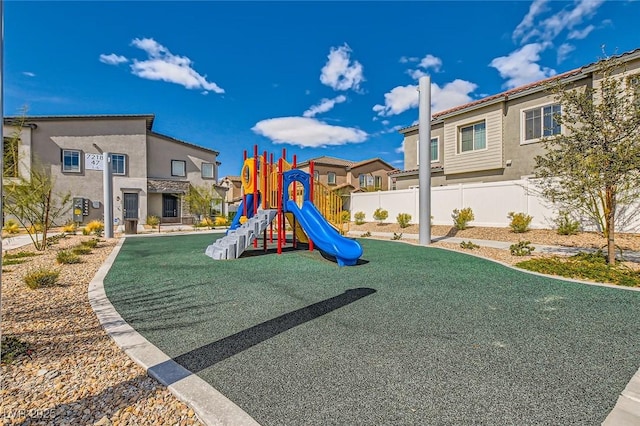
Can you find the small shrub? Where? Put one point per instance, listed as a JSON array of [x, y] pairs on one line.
[[221, 221], [11, 348], [380, 214], [469, 245], [41, 278], [461, 218], [519, 222], [35, 228], [366, 234], [20, 255], [80, 250], [11, 226], [55, 239], [94, 227], [345, 216], [521, 248], [207, 222], [92, 243], [153, 221], [566, 225], [396, 236], [403, 219], [70, 228], [66, 257], [359, 218]]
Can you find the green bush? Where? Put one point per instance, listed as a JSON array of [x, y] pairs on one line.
[[41, 278], [11, 347], [380, 214], [519, 222], [461, 218], [66, 257], [345, 216], [81, 250], [521, 248], [20, 255], [403, 219], [590, 266], [470, 245], [359, 218], [153, 221], [92, 243], [566, 225]]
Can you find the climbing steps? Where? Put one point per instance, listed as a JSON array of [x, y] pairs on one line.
[[238, 240]]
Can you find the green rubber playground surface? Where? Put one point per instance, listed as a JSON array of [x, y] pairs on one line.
[[410, 336]]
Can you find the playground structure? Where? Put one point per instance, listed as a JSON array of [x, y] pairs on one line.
[[278, 191]]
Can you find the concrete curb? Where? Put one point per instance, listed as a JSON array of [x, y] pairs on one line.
[[211, 407]]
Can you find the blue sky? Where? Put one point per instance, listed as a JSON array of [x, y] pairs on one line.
[[316, 78]]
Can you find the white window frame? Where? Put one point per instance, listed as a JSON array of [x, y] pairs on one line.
[[523, 123], [184, 168], [316, 175], [437, 141], [72, 170], [124, 165], [459, 150], [362, 180], [331, 181], [213, 171]]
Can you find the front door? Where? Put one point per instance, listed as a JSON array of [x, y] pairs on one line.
[[131, 206], [169, 206]]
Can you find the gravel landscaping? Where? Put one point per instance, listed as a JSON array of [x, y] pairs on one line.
[[74, 374]]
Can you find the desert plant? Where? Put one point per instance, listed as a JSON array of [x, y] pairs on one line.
[[69, 228], [221, 221], [94, 227], [345, 216], [80, 250], [153, 221], [403, 219], [566, 225], [207, 222], [470, 245], [366, 234], [12, 347], [11, 226], [521, 248], [67, 257], [41, 278], [92, 243], [519, 222], [397, 236], [461, 218], [380, 214], [359, 218]]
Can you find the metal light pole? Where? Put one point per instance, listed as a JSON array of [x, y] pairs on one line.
[[424, 174]]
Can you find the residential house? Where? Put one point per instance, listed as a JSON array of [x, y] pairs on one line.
[[151, 172], [496, 138], [233, 185]]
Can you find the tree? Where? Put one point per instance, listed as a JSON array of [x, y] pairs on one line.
[[200, 200], [593, 166]]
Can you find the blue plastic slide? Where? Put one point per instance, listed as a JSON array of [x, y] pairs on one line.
[[235, 223], [324, 236]]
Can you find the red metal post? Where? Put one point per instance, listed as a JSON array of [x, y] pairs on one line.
[[244, 196], [280, 219], [255, 188], [311, 182], [271, 193], [295, 200]]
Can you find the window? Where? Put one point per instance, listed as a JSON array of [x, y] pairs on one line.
[[207, 171], [634, 84], [70, 161], [118, 164], [178, 168], [316, 175], [433, 149], [331, 178], [10, 157], [473, 138], [540, 122], [377, 182], [362, 180]]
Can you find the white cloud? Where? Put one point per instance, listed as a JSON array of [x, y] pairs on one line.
[[164, 66], [113, 59], [451, 94], [581, 34], [28, 73], [400, 149], [431, 61], [548, 29], [324, 106], [403, 98], [407, 59], [307, 132], [564, 50], [340, 72], [398, 100], [519, 67], [416, 74]]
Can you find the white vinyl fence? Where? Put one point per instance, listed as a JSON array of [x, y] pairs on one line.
[[490, 202]]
